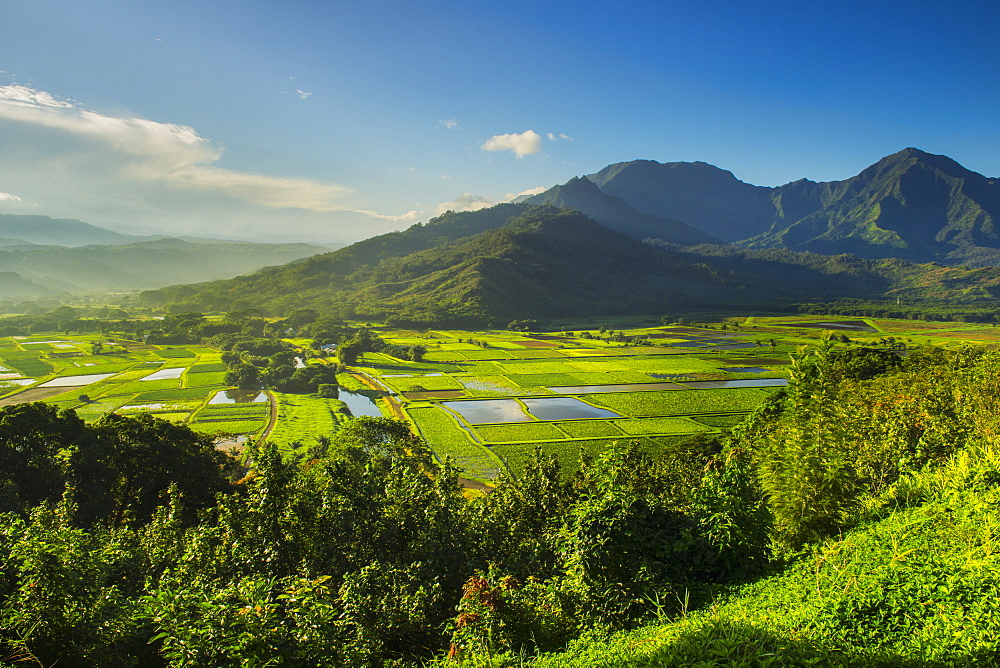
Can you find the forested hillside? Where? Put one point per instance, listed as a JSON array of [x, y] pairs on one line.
[[516, 261], [850, 521]]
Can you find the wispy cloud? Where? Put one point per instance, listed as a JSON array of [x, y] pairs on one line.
[[303, 95], [525, 143], [163, 155], [448, 123], [7, 197], [470, 202]]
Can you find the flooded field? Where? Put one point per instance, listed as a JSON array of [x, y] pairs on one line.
[[565, 408], [76, 381], [488, 411]]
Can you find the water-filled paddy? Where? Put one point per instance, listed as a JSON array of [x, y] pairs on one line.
[[565, 408], [165, 374], [76, 381], [359, 404], [488, 411], [743, 369], [237, 397]]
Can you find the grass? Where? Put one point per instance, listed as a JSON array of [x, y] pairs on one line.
[[659, 425], [204, 379], [426, 382], [523, 431], [448, 439], [207, 368], [517, 455], [590, 428], [176, 394], [230, 428], [680, 402], [302, 418], [177, 353]]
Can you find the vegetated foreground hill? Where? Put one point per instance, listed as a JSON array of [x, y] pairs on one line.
[[911, 205], [45, 270], [519, 261]]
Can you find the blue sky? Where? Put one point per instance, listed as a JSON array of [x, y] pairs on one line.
[[334, 121]]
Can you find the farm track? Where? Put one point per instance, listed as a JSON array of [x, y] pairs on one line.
[[272, 419]]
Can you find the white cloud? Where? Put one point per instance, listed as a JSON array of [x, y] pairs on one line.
[[470, 202], [148, 153], [303, 95], [409, 216], [465, 202], [448, 123], [7, 197], [526, 143]]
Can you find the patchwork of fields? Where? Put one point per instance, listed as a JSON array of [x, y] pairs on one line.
[[178, 383], [488, 400]]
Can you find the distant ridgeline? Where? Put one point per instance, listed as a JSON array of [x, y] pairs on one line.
[[42, 257], [524, 261]]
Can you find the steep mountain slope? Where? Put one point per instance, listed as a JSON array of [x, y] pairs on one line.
[[543, 262], [911, 205], [702, 195], [613, 212]]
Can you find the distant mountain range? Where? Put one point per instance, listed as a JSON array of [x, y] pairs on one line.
[[42, 256], [517, 261], [910, 205]]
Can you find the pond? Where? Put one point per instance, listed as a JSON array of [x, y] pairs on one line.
[[744, 369], [565, 408], [744, 382], [601, 389], [238, 397], [488, 411], [735, 346], [359, 404]]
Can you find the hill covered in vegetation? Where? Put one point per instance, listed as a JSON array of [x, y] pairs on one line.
[[518, 261]]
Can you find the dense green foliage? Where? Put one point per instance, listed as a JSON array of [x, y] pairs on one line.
[[864, 494]]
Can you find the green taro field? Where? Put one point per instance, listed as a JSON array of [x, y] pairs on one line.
[[181, 383], [475, 395], [630, 389]]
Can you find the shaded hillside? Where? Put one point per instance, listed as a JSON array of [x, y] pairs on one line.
[[702, 195], [911, 205], [615, 213], [544, 262], [540, 262]]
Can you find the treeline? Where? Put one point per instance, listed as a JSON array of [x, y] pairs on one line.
[[947, 311]]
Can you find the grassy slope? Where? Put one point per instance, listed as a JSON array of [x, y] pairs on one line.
[[919, 587]]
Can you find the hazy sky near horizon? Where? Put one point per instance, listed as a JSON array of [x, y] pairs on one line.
[[329, 120]]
